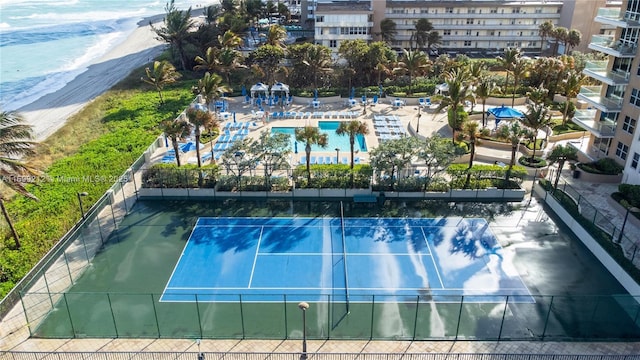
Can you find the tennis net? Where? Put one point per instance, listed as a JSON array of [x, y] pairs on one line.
[[344, 257]]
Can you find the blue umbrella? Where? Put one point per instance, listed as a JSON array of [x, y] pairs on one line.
[[380, 90], [353, 93], [295, 145], [244, 91], [315, 94], [504, 113]]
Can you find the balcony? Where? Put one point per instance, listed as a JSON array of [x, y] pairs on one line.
[[613, 17], [592, 95], [586, 119], [598, 70], [609, 45]]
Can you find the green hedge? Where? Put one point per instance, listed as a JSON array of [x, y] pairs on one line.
[[604, 166]]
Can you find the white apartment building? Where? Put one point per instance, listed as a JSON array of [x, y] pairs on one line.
[[342, 20], [614, 106]]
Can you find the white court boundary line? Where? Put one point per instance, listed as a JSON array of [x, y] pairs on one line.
[[255, 258], [435, 266]]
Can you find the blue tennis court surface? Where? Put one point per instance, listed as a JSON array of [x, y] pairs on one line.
[[310, 258]]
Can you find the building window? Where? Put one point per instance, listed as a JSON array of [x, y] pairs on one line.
[[468, 32], [319, 19], [469, 21], [635, 97], [538, 11], [629, 125], [638, 73], [634, 160], [492, 33], [622, 150], [333, 43], [515, 10], [467, 43], [446, 32], [448, 10], [471, 11], [493, 11]]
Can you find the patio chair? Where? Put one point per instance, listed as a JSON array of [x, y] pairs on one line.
[[344, 160], [320, 160], [312, 160], [334, 160], [327, 160]]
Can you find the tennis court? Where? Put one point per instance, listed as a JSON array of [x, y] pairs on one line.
[[309, 258], [416, 270]]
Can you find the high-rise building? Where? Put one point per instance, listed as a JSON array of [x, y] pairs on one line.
[[614, 106], [342, 20]]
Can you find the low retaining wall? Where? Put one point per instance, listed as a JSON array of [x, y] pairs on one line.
[[607, 261], [599, 178], [463, 195]]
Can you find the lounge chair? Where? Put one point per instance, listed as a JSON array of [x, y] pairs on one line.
[[312, 160], [334, 160], [327, 160], [344, 160]]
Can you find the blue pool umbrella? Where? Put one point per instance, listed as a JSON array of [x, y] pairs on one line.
[[315, 94], [353, 93], [380, 90], [505, 113], [295, 146], [244, 91]]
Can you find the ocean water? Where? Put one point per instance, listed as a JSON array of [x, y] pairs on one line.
[[44, 44]]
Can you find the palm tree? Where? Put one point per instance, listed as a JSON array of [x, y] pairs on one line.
[[571, 86], [513, 133], [573, 39], [459, 92], [318, 61], [276, 36], [433, 40], [519, 70], [560, 35], [536, 118], [545, 30], [352, 128], [311, 135], [471, 131], [483, 91], [561, 154], [413, 63], [211, 13], [15, 143], [211, 88], [210, 62], [228, 61], [163, 73], [174, 130], [510, 57], [177, 25], [229, 40], [422, 27], [388, 30], [199, 119]]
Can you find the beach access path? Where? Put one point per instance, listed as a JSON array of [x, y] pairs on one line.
[[50, 112]]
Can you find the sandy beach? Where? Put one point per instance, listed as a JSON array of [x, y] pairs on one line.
[[50, 112]]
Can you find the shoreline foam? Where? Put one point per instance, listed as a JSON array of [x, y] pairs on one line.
[[50, 112]]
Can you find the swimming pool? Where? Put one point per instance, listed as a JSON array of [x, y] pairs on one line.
[[335, 140]]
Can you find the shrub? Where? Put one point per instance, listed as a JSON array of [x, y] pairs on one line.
[[630, 193], [604, 166], [537, 162]]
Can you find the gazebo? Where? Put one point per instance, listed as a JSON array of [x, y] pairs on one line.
[[442, 89], [505, 113], [281, 90], [259, 90]]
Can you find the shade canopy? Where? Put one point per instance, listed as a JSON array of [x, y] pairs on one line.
[[280, 89], [259, 89], [442, 88], [505, 112]]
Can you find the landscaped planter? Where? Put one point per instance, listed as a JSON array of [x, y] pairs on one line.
[[599, 178]]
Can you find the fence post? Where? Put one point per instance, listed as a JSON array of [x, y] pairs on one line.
[[415, 318], [373, 306], [113, 316], [459, 316], [66, 304], [26, 316], [64, 255], [241, 316], [504, 312], [199, 317], [155, 314], [546, 320]]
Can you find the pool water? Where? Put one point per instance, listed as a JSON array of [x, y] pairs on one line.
[[335, 141]]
